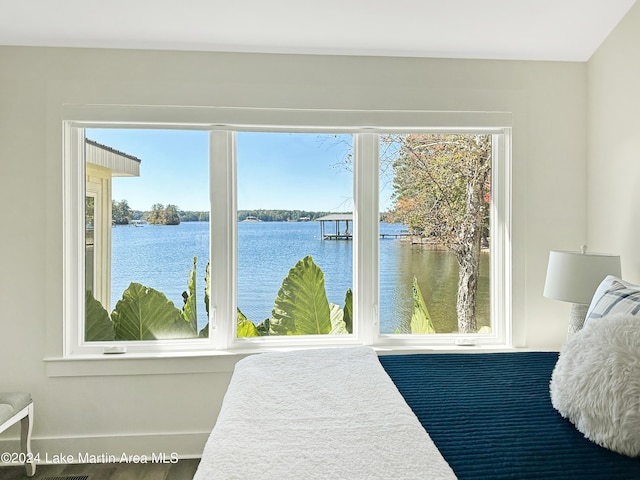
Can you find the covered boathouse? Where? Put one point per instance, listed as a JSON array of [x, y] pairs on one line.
[[342, 226]]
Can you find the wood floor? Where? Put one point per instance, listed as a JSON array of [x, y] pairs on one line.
[[182, 470]]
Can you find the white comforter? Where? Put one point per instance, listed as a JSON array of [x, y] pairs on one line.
[[318, 414]]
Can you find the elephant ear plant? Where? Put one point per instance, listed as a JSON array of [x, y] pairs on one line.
[[143, 313], [420, 318], [300, 308]]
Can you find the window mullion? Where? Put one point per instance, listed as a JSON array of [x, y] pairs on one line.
[[366, 238], [500, 228], [223, 235]]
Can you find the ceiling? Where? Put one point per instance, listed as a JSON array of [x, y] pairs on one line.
[[569, 30]]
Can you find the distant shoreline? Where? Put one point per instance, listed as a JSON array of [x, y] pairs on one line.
[[262, 215]]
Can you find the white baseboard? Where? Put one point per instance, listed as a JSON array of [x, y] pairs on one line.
[[142, 448]]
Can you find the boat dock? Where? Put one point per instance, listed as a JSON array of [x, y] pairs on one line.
[[343, 228], [349, 236], [396, 235]]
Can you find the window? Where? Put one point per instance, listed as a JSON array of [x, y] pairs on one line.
[[291, 279], [435, 242], [146, 279], [273, 221]]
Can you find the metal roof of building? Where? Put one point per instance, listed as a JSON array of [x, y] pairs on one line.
[[121, 164], [336, 217]]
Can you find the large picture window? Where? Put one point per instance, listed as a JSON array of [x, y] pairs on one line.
[[194, 238]]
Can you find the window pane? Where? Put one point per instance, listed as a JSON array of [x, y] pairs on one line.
[[148, 211], [292, 279], [434, 199]]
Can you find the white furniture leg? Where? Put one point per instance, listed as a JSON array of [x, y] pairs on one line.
[[18, 407], [26, 426]]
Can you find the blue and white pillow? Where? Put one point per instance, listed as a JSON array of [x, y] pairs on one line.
[[614, 296]]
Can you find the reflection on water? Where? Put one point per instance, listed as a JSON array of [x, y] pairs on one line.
[[161, 257], [437, 275]]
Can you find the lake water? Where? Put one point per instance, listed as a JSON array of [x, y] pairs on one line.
[[161, 257]]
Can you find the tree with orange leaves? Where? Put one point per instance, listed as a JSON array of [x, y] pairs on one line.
[[441, 189]]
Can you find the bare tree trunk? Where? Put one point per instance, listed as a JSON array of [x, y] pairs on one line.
[[469, 266], [468, 250]]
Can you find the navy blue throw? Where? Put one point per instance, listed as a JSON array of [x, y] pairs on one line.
[[491, 417]]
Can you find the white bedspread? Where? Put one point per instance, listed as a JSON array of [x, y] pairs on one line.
[[318, 414]]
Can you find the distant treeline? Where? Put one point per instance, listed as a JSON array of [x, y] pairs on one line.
[[123, 215], [280, 215]]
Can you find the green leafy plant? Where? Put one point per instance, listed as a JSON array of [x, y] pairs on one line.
[[147, 314], [98, 325], [143, 313], [246, 328], [420, 319], [300, 308], [189, 309]]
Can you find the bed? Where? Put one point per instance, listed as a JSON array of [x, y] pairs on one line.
[[347, 414], [491, 417], [317, 414]]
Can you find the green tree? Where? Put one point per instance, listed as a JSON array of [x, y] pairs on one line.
[[171, 215], [161, 215], [156, 217], [441, 189], [121, 213]]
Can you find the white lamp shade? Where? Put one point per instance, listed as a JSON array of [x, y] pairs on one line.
[[575, 276]]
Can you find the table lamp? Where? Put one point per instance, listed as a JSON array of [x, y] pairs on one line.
[[575, 276]]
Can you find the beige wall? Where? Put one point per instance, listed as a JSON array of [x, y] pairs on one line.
[[614, 145], [175, 411]]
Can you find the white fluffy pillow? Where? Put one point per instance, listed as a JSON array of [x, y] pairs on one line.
[[596, 382]]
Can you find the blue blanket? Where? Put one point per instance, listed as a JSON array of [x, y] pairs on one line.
[[491, 417]]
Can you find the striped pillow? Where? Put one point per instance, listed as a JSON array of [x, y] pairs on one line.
[[619, 298]]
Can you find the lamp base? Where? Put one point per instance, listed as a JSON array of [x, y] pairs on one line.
[[577, 318]]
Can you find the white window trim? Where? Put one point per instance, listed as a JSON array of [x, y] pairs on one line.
[[366, 225], [500, 261], [222, 122]]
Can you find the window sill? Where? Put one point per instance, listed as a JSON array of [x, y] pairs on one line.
[[95, 365], [143, 364]]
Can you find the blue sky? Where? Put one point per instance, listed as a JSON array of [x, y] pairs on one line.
[[301, 171], [275, 170]]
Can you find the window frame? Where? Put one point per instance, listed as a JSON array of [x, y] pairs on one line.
[[500, 259], [222, 123]]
